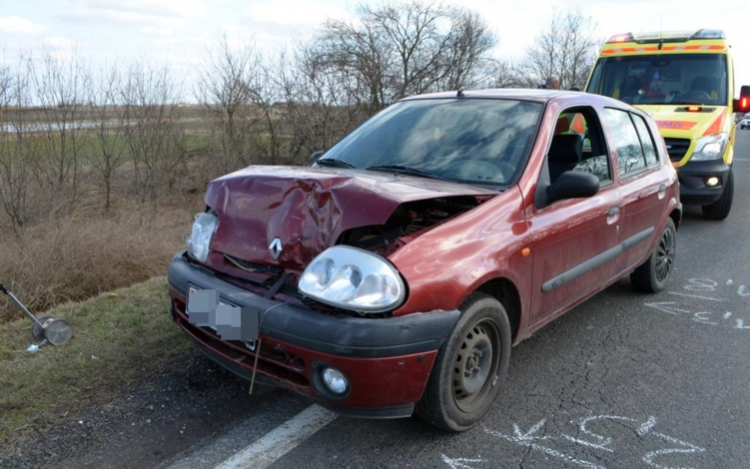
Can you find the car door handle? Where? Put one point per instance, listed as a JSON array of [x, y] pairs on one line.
[[613, 211]]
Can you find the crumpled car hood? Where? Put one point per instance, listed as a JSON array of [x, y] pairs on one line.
[[309, 208]]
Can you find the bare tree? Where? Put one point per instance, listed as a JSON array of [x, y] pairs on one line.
[[318, 104], [226, 90], [16, 147], [154, 139], [400, 49], [107, 150], [58, 86], [566, 49]]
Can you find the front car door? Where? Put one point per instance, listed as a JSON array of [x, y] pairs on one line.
[[574, 241]]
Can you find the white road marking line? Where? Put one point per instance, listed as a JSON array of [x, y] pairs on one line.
[[742, 159], [695, 296], [279, 441]]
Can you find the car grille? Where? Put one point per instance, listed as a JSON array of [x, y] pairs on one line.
[[677, 147]]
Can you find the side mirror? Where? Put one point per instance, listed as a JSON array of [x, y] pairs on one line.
[[743, 104], [315, 156], [572, 185]]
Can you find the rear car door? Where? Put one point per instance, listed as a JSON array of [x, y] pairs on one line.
[[574, 240], [643, 186]]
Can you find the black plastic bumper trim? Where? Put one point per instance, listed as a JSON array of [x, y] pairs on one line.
[[326, 333]]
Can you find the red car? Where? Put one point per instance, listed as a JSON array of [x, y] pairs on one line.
[[393, 275]]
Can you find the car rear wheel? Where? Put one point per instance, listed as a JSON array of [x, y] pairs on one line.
[[469, 368], [719, 210], [652, 275]]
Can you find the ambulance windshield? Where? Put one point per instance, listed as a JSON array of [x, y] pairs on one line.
[[662, 79]]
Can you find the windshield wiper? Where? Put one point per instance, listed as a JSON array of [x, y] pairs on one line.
[[397, 168], [334, 163]]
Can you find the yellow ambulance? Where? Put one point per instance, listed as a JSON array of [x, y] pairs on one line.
[[685, 82]]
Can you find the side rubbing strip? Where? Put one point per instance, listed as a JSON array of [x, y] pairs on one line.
[[596, 261]]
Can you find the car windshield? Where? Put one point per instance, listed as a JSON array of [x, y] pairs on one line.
[[475, 141], [662, 79]]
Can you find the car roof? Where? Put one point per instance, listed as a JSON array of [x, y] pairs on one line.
[[538, 95]]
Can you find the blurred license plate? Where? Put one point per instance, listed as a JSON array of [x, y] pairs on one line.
[[250, 344]]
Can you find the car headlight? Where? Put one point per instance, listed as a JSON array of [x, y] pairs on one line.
[[351, 278], [710, 147], [203, 229]]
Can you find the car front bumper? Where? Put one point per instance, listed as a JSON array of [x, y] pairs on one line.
[[386, 360], [693, 175]]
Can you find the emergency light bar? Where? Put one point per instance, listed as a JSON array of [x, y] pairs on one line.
[[668, 36]]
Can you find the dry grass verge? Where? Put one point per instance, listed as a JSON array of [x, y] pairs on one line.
[[80, 256], [119, 338]]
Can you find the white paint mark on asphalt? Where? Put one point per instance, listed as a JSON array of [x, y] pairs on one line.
[[695, 296], [741, 291], [646, 426], [741, 324], [648, 458], [727, 315], [460, 463], [527, 440], [730, 281], [666, 306], [284, 438], [701, 318]]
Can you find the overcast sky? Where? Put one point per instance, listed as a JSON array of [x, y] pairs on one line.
[[178, 31]]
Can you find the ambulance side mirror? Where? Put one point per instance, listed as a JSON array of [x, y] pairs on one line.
[[742, 105]]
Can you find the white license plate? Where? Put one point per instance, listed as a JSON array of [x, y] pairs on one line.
[[250, 344]]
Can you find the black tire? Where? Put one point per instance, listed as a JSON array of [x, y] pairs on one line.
[[652, 276], [469, 367], [719, 210]]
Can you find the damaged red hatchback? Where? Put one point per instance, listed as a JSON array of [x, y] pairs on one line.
[[393, 275]]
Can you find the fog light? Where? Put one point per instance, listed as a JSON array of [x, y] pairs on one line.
[[335, 380], [712, 181]]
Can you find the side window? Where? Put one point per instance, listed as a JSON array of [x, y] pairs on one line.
[[578, 145], [625, 140], [647, 140]]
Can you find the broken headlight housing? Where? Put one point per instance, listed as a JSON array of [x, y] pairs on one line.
[[203, 230], [354, 279]]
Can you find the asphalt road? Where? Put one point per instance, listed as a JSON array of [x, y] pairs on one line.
[[624, 380]]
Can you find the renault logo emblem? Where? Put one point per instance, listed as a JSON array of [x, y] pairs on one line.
[[275, 248]]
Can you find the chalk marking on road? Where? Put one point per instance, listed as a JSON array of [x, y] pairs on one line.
[[741, 291], [279, 441], [460, 463], [730, 282], [526, 440], [666, 306], [702, 319], [741, 159], [741, 324], [648, 458], [646, 426], [696, 296], [727, 315]]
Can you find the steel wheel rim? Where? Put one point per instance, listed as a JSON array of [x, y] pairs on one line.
[[665, 255], [475, 365]]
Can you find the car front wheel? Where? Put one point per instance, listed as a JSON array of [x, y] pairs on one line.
[[469, 368]]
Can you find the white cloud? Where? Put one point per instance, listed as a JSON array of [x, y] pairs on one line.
[[12, 25], [139, 12], [294, 13]]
